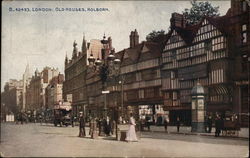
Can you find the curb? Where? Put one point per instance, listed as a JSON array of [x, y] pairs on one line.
[[198, 134]]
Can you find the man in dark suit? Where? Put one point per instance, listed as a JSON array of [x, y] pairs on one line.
[[218, 125], [148, 122], [81, 125], [107, 126], [178, 123]]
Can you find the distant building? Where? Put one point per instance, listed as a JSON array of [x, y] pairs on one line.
[[54, 91], [35, 95], [12, 97], [26, 81]]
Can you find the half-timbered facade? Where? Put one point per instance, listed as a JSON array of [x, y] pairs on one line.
[[204, 53]]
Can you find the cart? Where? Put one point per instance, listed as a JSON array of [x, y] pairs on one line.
[[231, 125]]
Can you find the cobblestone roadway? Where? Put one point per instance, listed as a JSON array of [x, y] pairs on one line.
[[35, 140]]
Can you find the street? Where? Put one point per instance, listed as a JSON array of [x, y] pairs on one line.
[[32, 140]]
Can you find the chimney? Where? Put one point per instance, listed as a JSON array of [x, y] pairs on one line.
[[178, 20], [134, 38], [110, 43]]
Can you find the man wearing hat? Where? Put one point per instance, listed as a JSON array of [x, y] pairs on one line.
[[81, 126]]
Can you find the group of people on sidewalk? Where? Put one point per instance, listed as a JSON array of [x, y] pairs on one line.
[[107, 127], [218, 122]]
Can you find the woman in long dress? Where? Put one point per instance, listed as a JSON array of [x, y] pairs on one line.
[[131, 135]]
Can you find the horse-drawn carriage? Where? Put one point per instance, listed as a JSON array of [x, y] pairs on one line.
[[231, 125]]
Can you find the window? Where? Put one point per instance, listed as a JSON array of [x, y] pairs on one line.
[[175, 96], [141, 93], [173, 39], [244, 5], [173, 55], [174, 74], [244, 33], [208, 45], [244, 63]]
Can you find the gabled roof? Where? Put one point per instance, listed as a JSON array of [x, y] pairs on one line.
[[154, 51], [221, 23], [134, 54], [188, 33]]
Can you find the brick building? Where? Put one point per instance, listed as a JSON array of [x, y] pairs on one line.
[[140, 72], [80, 77]]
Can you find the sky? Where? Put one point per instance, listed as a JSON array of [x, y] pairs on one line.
[[42, 38]]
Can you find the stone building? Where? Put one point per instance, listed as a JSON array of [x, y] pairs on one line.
[[12, 97], [74, 85], [54, 91], [82, 79], [26, 81], [94, 82], [35, 95], [240, 48]]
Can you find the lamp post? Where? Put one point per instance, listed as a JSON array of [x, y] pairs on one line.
[[107, 67], [122, 89]]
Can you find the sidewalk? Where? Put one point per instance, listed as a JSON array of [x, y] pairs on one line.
[[243, 133]]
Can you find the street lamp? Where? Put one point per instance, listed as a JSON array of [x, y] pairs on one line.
[[107, 67]]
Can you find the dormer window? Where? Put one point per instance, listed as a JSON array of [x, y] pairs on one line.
[[173, 54], [173, 39]]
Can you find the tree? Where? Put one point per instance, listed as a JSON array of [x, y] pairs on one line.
[[198, 11], [152, 35]]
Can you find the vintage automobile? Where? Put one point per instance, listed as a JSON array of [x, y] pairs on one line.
[[62, 114]]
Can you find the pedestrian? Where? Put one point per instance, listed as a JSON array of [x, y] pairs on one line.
[[113, 129], [91, 126], [209, 123], [131, 135], [178, 124], [21, 117], [107, 126], [81, 125], [98, 121], [148, 122], [120, 120], [40, 118], [166, 120], [141, 124], [218, 125], [72, 120]]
